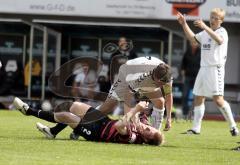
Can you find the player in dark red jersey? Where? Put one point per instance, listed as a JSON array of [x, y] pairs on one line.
[[126, 130]]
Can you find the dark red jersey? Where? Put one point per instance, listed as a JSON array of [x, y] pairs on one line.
[[110, 134], [103, 130]]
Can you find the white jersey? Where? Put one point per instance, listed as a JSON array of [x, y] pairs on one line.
[[138, 72], [148, 60], [135, 75], [137, 67], [213, 54]]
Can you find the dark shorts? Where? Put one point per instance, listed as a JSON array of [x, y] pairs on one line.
[[92, 124]]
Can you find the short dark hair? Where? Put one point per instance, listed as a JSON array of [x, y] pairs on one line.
[[162, 72]]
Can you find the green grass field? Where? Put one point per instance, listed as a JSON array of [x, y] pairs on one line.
[[22, 144]]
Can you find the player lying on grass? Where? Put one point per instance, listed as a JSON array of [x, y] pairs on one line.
[[143, 77], [129, 129]]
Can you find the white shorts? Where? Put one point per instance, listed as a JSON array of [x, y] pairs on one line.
[[210, 81]]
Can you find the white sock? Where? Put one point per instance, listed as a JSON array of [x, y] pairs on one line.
[[157, 117], [227, 113], [198, 116]]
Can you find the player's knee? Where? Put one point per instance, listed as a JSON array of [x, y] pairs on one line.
[[159, 102], [199, 100], [219, 101], [75, 106], [60, 117]]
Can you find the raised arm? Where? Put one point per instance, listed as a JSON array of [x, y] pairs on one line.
[[188, 32], [200, 24]]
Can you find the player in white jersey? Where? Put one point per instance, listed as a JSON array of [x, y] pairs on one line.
[[213, 41], [145, 78]]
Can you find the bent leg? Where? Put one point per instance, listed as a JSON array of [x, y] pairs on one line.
[[108, 106], [79, 109], [67, 118]]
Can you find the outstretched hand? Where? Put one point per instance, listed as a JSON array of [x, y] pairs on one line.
[[181, 18], [200, 24]]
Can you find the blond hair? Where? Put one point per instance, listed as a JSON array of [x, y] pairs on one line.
[[158, 139], [220, 12]]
